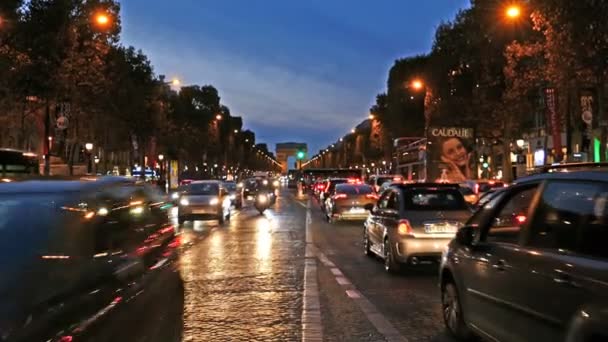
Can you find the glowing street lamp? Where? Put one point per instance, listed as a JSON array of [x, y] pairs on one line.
[[102, 19], [513, 12], [372, 117], [353, 130], [417, 84], [218, 117]]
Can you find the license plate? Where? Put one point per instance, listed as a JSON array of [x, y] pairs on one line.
[[439, 228], [357, 210], [200, 211]]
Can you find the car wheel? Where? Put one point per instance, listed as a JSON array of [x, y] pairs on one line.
[[390, 264], [366, 244], [452, 312]]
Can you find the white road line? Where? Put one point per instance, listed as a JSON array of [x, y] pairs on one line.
[[312, 330], [370, 311]]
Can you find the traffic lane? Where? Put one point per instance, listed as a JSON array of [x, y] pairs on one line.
[[410, 300], [243, 280]]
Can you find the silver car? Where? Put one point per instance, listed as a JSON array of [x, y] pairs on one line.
[[413, 223], [206, 200]]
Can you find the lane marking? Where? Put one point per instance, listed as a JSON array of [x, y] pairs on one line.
[[312, 330], [382, 325]]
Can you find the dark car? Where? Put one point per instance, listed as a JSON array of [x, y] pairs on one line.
[[81, 259], [535, 257], [235, 193], [348, 202], [413, 223], [204, 200]]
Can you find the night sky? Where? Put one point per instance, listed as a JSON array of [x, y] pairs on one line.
[[304, 71]]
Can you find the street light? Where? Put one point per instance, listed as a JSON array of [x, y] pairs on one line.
[[89, 148], [513, 12], [236, 131], [161, 157], [102, 19], [218, 117], [353, 130], [417, 84], [372, 117]]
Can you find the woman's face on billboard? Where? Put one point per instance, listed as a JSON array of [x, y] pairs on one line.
[[453, 150]]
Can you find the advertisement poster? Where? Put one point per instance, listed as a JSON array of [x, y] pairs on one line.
[[450, 153], [173, 174]]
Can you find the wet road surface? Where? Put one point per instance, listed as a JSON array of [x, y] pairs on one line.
[[244, 281]]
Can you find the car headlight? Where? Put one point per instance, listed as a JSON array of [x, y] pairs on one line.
[[184, 202], [214, 201], [262, 198], [239, 185], [275, 183], [175, 195], [232, 196]]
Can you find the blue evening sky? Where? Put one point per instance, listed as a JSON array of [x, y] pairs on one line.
[[304, 71]]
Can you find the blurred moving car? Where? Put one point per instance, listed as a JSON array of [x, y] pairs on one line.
[[204, 200], [412, 223], [348, 202], [535, 256], [376, 181], [487, 196], [235, 193], [249, 188], [81, 258]]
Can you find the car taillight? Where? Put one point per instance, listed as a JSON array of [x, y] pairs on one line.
[[372, 196], [404, 227], [520, 219], [340, 196]]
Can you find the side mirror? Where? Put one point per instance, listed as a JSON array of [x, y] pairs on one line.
[[465, 235], [369, 207]]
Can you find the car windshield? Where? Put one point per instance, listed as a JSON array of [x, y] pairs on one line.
[[230, 186], [354, 189], [203, 189], [486, 186], [434, 199]]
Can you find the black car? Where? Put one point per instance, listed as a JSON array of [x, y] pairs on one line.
[[532, 263], [87, 260]]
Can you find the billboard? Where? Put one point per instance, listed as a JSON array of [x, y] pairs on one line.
[[450, 153]]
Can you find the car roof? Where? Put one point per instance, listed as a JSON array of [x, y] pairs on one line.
[[598, 175], [53, 184]]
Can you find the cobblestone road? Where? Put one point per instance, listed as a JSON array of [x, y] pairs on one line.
[[244, 281]]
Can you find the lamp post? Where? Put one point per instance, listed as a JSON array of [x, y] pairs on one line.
[[89, 148], [96, 160]]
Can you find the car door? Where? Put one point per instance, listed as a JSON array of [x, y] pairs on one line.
[[569, 266], [374, 221], [390, 214], [497, 266]]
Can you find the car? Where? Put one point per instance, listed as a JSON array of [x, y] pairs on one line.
[[329, 188], [204, 200], [348, 202], [376, 181], [413, 223], [235, 193], [534, 256], [484, 198], [249, 188], [82, 257]]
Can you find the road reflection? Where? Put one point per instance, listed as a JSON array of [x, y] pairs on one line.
[[264, 243]]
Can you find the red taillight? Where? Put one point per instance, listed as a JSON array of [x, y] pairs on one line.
[[404, 227], [354, 181], [320, 186], [520, 219], [372, 196], [397, 179], [340, 196]]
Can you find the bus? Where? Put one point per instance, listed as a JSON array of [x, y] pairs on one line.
[[15, 162]]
